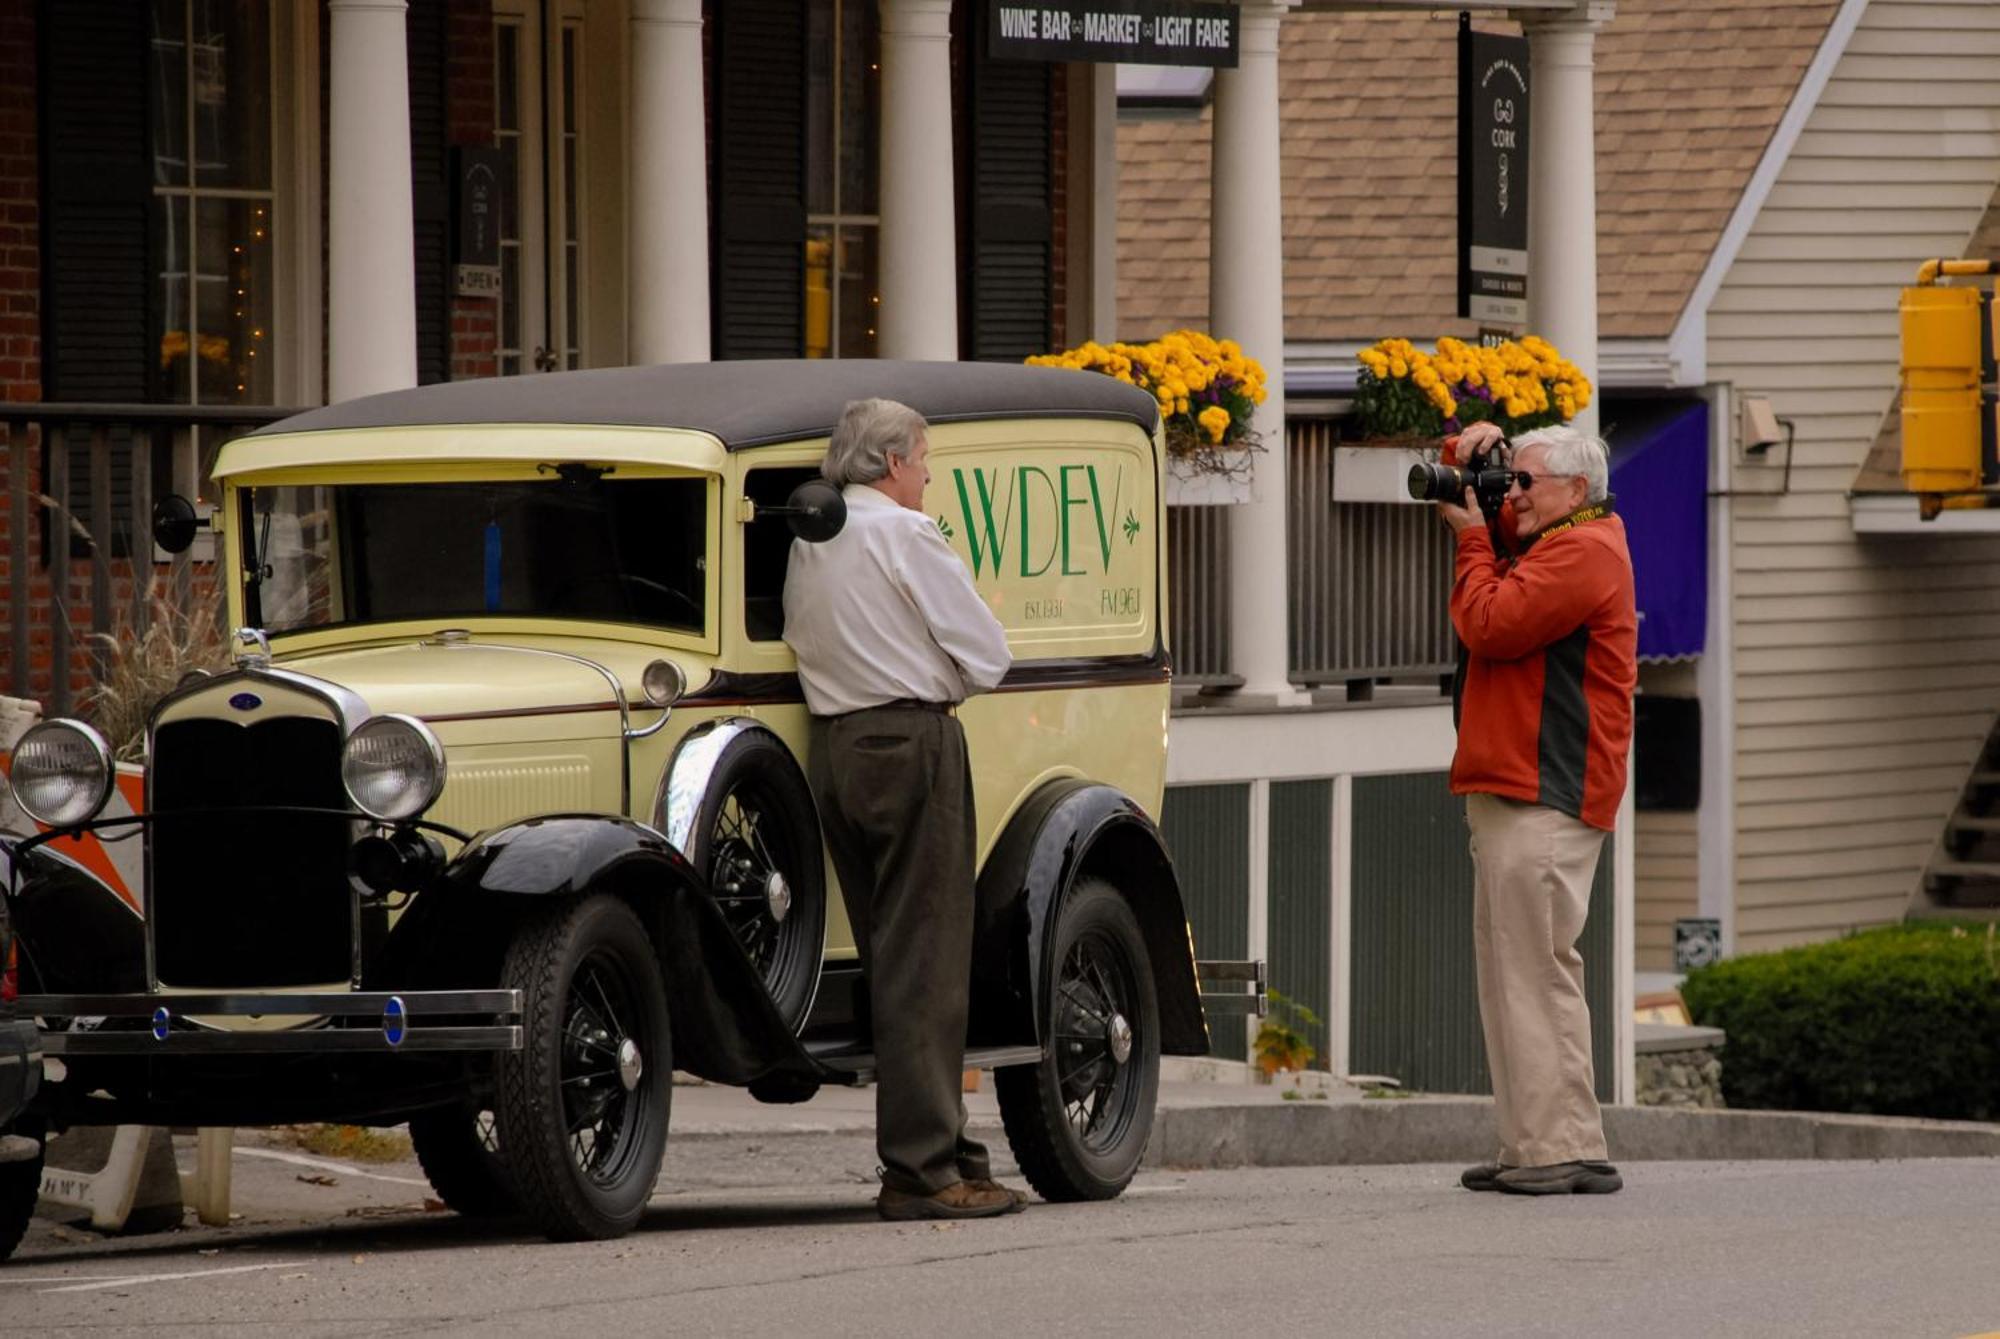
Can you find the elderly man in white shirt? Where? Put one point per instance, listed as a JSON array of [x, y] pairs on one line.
[[890, 637]]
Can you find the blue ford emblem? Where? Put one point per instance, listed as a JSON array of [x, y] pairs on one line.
[[246, 702]]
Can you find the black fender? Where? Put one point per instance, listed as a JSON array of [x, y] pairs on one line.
[[725, 1027], [1069, 830], [76, 935]]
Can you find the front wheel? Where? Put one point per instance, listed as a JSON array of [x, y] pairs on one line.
[[20, 1184], [582, 1106], [756, 837], [1079, 1120]]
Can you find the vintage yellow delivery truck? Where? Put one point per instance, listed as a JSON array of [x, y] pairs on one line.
[[501, 817]]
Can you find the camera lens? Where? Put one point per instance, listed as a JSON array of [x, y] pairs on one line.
[[1433, 483]]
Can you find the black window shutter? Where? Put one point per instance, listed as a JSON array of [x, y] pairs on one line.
[[1007, 273], [430, 185], [96, 202], [98, 336], [760, 171]]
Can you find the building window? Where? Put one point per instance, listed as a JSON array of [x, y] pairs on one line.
[[538, 74], [843, 225], [214, 209]]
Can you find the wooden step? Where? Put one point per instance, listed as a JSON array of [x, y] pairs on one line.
[[1965, 822], [1965, 869], [1977, 822], [1929, 909], [1985, 777]]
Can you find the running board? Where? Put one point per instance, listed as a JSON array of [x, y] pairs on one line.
[[859, 1070]]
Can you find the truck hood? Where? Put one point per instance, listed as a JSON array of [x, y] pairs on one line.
[[438, 682]]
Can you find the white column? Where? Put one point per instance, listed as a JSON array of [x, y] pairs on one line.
[[1246, 302], [371, 246], [919, 222], [668, 212], [1562, 188]]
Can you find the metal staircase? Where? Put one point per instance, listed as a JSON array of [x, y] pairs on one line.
[[1963, 877]]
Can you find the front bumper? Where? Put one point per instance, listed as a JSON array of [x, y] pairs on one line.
[[357, 1021], [21, 1053]]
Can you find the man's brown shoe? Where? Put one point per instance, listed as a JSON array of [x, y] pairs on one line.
[[1020, 1197], [1486, 1176], [1562, 1178], [960, 1199]]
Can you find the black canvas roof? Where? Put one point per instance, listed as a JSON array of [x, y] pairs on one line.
[[744, 403]]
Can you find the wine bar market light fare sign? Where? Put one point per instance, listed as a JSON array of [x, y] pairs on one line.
[[1125, 32]]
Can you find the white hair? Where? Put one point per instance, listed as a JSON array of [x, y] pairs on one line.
[[869, 432], [1568, 453]]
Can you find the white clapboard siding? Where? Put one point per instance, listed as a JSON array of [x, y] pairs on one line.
[[1666, 877], [1867, 672]]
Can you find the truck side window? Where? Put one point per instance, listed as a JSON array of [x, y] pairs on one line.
[[767, 549]]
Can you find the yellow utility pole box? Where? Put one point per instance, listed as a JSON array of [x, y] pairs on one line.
[[1948, 371]]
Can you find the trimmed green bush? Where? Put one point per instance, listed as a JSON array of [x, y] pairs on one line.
[[1903, 1020]]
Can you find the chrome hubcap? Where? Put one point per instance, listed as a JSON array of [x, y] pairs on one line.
[[631, 1065], [1118, 1034], [778, 896]]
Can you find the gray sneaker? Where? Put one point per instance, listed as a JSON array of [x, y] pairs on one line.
[[1486, 1176], [1562, 1178]]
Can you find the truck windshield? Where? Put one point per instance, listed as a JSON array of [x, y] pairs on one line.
[[583, 546]]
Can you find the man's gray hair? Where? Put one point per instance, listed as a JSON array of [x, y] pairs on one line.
[[1569, 453], [869, 432]]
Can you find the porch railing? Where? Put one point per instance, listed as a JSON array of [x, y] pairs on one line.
[[46, 534], [1368, 586]]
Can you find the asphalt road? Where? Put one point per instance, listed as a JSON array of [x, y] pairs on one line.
[[778, 1237]]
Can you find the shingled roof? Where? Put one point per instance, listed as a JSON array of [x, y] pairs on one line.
[[1688, 95]]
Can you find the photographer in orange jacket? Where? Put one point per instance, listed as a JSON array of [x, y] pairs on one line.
[[1542, 601]]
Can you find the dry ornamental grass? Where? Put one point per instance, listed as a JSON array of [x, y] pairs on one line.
[[140, 668]]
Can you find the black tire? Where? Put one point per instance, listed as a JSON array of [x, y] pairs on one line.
[[20, 1185], [581, 1141], [1078, 1121], [758, 819], [459, 1150]]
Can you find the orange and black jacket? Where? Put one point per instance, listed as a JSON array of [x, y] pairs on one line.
[[1544, 700]]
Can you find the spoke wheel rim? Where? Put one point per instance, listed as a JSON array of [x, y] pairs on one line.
[[750, 846], [601, 1116], [1100, 1095]]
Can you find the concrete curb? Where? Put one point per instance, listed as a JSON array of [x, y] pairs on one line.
[[1461, 1130]]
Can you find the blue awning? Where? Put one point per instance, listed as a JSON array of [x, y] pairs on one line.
[[1659, 472]]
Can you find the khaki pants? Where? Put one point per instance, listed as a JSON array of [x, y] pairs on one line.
[[1533, 868]]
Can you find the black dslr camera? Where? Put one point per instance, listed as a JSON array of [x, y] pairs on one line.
[[1488, 480]]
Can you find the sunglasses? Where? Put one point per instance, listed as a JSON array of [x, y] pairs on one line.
[[1526, 478]]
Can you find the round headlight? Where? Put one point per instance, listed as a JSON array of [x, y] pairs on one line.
[[663, 683], [393, 768], [62, 773]]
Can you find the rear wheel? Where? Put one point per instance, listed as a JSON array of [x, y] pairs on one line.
[[582, 1107], [1078, 1121], [459, 1150]]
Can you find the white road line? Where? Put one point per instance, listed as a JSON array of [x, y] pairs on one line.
[[69, 1285], [323, 1165]]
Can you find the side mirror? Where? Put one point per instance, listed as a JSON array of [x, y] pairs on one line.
[[174, 523], [816, 511]]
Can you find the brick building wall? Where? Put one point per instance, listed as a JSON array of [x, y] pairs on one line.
[[475, 321], [1059, 209], [20, 339]]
